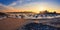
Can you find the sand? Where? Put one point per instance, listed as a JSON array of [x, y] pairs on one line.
[[11, 23]]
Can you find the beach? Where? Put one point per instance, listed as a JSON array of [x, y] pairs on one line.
[[11, 23], [14, 23]]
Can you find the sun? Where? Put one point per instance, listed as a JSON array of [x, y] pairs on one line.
[[42, 9]]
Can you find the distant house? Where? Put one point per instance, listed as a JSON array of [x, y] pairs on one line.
[[19, 13], [46, 12]]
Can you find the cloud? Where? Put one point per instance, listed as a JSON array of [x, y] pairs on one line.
[[4, 8], [18, 2], [12, 4]]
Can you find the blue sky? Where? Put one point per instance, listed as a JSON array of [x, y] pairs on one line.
[[7, 2], [28, 4]]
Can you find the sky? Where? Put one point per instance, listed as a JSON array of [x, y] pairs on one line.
[[29, 5]]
